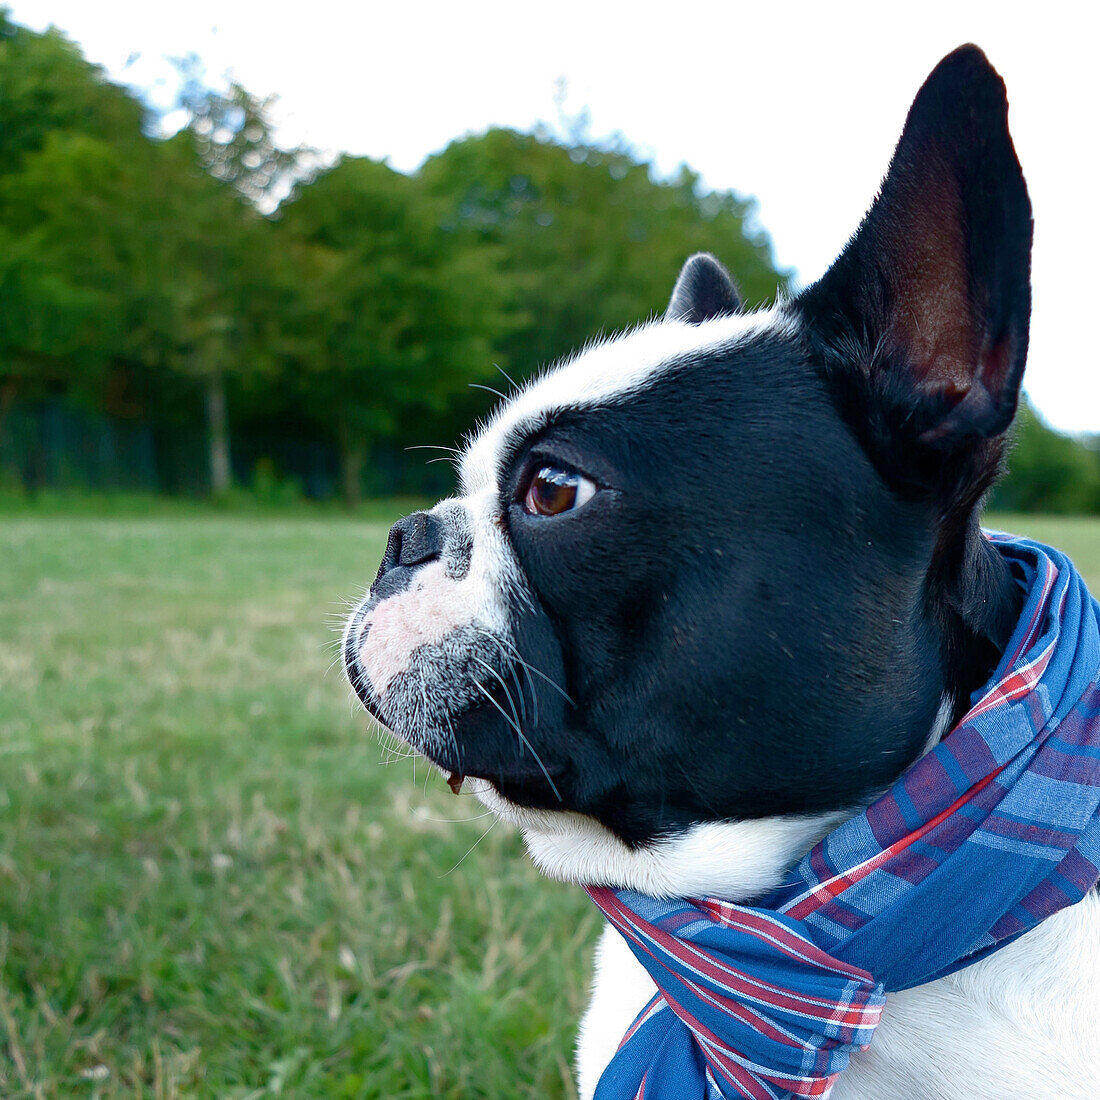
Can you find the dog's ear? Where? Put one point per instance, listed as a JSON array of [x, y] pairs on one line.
[[703, 290], [928, 305]]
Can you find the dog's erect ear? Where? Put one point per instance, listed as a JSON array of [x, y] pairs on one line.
[[703, 290], [931, 297]]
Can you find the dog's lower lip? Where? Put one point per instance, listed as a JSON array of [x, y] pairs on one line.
[[455, 781]]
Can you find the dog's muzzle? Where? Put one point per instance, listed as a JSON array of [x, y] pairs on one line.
[[412, 543], [434, 651], [426, 635]]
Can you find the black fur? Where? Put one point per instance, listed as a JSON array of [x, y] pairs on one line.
[[743, 633]]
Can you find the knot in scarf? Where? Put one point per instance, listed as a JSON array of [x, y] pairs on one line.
[[985, 836]]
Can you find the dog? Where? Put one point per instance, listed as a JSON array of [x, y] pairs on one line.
[[712, 585]]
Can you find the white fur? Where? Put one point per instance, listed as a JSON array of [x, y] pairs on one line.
[[423, 614], [603, 372], [621, 988], [721, 858]]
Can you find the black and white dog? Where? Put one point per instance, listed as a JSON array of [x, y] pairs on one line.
[[712, 585]]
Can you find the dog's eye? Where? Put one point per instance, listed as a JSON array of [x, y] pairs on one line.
[[552, 491]]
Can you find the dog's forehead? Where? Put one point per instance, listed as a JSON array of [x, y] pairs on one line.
[[605, 372]]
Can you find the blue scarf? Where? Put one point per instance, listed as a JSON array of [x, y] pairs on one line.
[[988, 834]]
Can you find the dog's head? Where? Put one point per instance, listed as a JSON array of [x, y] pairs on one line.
[[725, 568]]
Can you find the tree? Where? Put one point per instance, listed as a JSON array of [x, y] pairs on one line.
[[231, 138], [1048, 471], [590, 240], [48, 86], [65, 134], [235, 142], [45, 322], [390, 309]]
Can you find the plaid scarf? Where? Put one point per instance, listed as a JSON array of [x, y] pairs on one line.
[[988, 834]]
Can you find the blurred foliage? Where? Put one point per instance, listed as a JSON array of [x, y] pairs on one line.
[[1048, 471], [384, 311], [223, 311], [590, 241]]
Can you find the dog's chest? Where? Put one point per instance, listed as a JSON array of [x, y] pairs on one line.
[[1023, 1024]]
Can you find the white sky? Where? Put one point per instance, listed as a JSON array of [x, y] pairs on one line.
[[796, 103]]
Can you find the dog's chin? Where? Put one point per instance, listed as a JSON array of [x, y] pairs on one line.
[[451, 746]]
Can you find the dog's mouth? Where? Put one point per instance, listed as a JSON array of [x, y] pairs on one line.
[[464, 700], [480, 746], [477, 741], [520, 779]]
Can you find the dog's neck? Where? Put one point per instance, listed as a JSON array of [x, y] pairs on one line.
[[976, 604]]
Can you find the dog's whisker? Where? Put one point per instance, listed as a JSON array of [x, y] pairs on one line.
[[531, 684], [522, 698], [397, 757], [424, 727], [459, 820], [504, 714], [507, 693], [492, 826], [513, 654], [488, 389], [452, 738], [511, 381], [392, 747], [512, 658], [549, 680], [523, 739]]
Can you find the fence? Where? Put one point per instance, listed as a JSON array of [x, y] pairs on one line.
[[53, 445]]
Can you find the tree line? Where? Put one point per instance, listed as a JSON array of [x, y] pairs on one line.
[[210, 286]]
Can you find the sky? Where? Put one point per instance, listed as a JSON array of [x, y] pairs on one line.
[[798, 104]]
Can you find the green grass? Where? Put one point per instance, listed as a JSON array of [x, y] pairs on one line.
[[214, 880], [212, 883]]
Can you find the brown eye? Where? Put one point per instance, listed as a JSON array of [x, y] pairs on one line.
[[552, 491]]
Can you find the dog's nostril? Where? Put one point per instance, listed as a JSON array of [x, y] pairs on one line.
[[414, 540]]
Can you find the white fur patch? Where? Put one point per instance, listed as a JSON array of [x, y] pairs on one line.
[[728, 859], [604, 371], [621, 988], [725, 859], [421, 615], [437, 603]]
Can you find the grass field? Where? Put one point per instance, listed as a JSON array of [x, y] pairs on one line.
[[213, 880]]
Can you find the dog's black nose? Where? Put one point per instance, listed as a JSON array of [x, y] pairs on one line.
[[414, 540]]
